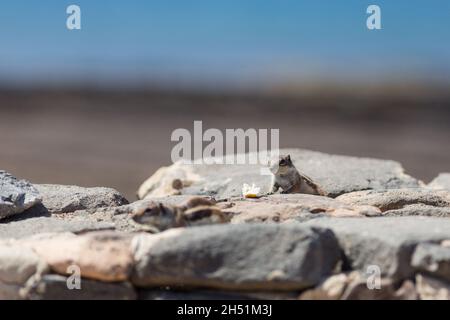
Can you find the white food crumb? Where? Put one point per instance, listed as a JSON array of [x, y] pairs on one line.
[[250, 191]]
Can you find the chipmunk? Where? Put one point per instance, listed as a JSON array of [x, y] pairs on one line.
[[199, 211], [156, 217], [287, 177]]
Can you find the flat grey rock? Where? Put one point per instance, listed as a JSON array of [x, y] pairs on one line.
[[236, 257], [63, 199], [54, 287], [403, 202], [430, 288], [442, 181], [420, 210], [433, 259], [334, 173], [17, 265], [119, 221], [103, 255], [298, 207], [38, 219], [10, 291], [353, 286], [16, 195], [33, 226], [385, 242]]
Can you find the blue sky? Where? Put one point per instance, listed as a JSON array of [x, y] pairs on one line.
[[232, 41]]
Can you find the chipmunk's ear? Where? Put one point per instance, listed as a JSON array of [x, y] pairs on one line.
[[288, 158]]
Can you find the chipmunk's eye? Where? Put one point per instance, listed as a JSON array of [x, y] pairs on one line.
[[282, 162]]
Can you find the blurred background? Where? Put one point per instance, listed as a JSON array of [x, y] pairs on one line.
[[97, 106]]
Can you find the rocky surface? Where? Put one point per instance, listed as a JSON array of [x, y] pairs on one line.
[[296, 207], [353, 286], [386, 242], [442, 181], [34, 226], [430, 288], [54, 287], [104, 256], [18, 265], [63, 199], [433, 259], [16, 195], [403, 202], [335, 174], [378, 226], [244, 257]]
